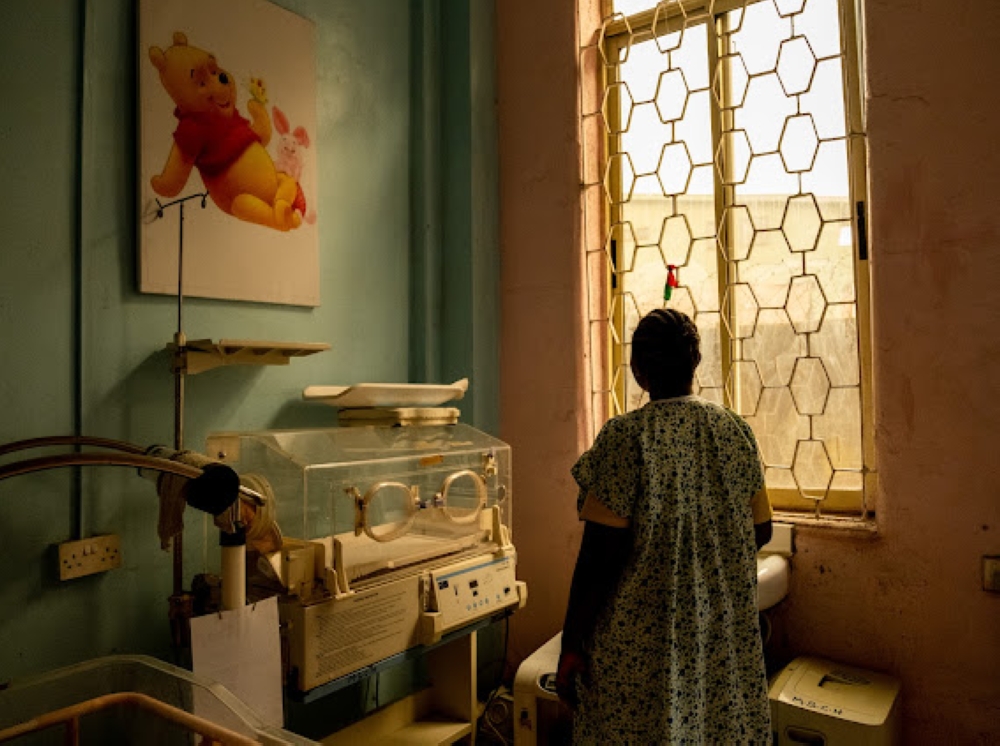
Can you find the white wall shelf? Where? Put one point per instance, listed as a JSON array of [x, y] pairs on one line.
[[199, 355]]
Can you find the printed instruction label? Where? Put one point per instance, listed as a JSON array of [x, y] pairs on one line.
[[349, 633]]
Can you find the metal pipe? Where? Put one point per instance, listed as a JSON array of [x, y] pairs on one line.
[[136, 460], [70, 440]]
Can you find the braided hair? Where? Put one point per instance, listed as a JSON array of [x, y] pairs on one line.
[[665, 352]]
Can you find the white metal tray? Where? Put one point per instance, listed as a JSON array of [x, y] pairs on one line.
[[387, 394]]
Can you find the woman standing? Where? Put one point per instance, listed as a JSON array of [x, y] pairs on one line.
[[661, 642]]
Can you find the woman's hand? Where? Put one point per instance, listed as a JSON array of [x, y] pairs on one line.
[[572, 666]]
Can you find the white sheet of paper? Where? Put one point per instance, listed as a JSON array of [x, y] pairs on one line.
[[241, 649]]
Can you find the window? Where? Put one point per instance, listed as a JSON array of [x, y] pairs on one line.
[[724, 148]]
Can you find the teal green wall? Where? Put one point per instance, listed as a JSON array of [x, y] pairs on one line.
[[40, 623], [408, 257], [455, 252]]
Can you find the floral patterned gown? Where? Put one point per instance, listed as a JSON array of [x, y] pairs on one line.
[[676, 656]]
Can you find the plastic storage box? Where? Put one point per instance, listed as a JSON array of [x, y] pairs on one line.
[[128, 699], [822, 703]]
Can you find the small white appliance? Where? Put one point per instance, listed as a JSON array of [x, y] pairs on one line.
[[817, 702], [538, 716]]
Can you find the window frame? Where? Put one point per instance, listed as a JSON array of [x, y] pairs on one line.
[[617, 34]]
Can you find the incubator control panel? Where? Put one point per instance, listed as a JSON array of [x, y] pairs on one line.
[[475, 589]]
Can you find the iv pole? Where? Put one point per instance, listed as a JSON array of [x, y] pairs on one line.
[[180, 340], [181, 602]]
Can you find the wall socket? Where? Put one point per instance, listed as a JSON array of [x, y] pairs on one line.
[[89, 556], [991, 574]]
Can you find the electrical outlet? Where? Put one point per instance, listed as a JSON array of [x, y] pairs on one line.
[[89, 556], [991, 574]]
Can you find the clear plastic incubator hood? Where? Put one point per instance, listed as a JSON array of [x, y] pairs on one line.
[[391, 537]]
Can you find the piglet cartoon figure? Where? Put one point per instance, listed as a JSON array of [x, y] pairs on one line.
[[288, 157]]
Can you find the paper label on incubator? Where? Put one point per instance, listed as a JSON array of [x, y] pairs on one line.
[[346, 634]]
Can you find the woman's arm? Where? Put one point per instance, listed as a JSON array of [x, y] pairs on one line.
[[762, 533], [603, 554], [760, 508]]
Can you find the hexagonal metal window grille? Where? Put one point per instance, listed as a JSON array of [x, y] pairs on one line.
[[701, 276], [789, 7], [671, 95], [709, 373], [620, 93], [733, 71], [690, 57], [756, 214], [620, 246], [732, 157], [774, 347], [618, 385], [836, 426], [801, 223], [769, 268], [829, 173], [810, 386], [848, 481], [824, 101], [763, 113], [765, 191], [668, 26], [675, 240], [681, 300], [735, 20], [819, 22], [739, 311], [698, 140], [619, 164], [736, 232], [806, 304], [812, 469], [836, 343], [637, 212], [648, 277], [623, 307], [645, 126], [799, 144], [796, 65], [602, 44], [744, 387], [833, 262], [695, 203], [779, 478], [674, 171], [778, 427], [759, 37]]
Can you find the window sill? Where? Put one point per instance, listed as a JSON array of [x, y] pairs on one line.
[[860, 527]]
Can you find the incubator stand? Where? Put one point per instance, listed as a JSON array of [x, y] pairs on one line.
[[393, 537]]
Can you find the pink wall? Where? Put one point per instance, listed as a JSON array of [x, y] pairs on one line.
[[542, 387], [908, 601]]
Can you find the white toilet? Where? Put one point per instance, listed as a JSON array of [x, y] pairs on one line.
[[774, 566]]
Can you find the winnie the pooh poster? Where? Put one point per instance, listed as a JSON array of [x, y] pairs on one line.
[[227, 94]]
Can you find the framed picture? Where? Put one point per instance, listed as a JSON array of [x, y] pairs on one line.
[[227, 96]]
